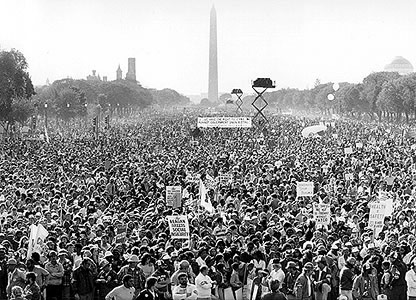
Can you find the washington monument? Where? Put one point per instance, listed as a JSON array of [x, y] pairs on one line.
[[213, 64]]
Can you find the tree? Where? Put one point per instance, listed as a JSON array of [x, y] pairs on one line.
[[16, 88], [169, 97], [372, 86]]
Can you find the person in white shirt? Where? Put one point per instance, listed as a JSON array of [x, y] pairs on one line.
[[411, 282], [203, 284], [123, 292], [184, 291], [277, 272]]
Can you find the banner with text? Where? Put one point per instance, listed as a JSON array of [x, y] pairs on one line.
[[304, 188], [224, 122], [178, 227]]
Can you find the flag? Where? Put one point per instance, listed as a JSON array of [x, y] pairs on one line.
[[151, 210], [210, 181], [204, 200], [37, 238]]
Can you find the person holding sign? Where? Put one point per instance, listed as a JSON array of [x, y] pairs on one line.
[[184, 291]]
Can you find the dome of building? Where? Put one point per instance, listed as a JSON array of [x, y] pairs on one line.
[[400, 65]]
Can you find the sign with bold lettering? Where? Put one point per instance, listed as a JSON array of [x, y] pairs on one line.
[[173, 196], [377, 214], [304, 188], [121, 233], [224, 122], [321, 214], [179, 227], [225, 179]]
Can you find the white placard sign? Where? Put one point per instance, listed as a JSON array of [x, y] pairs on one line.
[[348, 150], [321, 214], [304, 188], [178, 227], [173, 196], [349, 176], [376, 219], [359, 145], [224, 122]]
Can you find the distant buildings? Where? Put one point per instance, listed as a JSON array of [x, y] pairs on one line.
[[130, 75], [400, 65]]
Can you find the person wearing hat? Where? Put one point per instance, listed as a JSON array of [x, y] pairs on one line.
[[83, 280], [133, 269], [184, 290], [260, 284], [365, 285], [106, 279], [347, 278], [277, 272], [3, 272], [303, 285], [288, 284], [322, 278], [15, 276]]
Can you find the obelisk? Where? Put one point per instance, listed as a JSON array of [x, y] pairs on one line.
[[213, 64]]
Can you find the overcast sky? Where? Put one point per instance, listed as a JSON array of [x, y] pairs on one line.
[[291, 41]]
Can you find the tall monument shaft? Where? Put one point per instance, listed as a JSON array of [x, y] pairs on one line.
[[213, 63]]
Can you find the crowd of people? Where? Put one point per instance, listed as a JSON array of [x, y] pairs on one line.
[[101, 204]]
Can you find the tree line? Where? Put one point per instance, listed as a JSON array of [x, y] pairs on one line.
[[70, 98], [381, 95]]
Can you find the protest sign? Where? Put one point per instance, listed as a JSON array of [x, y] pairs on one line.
[[359, 145], [173, 196], [321, 214], [384, 197], [376, 219], [225, 179], [335, 136], [349, 176], [224, 122], [121, 233], [194, 178], [348, 150], [178, 227], [304, 188]]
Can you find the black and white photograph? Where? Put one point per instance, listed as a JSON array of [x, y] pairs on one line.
[[207, 150]]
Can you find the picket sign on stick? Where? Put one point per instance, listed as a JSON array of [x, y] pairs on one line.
[[179, 227], [376, 219]]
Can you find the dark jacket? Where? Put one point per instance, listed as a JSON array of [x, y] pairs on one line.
[[346, 279], [147, 295], [301, 288], [83, 281]]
